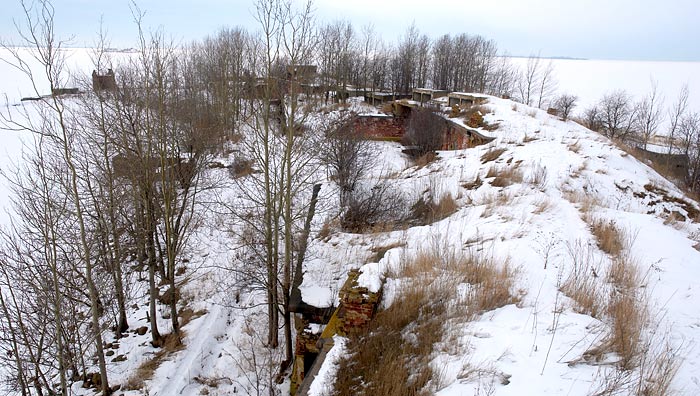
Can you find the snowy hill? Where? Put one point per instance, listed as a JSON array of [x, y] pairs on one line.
[[538, 198], [565, 179]]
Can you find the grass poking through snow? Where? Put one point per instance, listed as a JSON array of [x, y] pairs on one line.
[[393, 357]]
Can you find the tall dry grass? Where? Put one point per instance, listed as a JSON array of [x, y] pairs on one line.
[[393, 357]]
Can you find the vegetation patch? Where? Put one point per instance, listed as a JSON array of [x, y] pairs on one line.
[[608, 235], [393, 357], [492, 154], [172, 343], [505, 176], [427, 211]]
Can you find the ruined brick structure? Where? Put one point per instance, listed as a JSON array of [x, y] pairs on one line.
[[357, 307], [104, 82], [380, 127]]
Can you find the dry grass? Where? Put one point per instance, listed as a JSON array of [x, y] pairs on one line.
[[393, 357], [492, 154], [608, 234], [494, 200], [623, 274], [428, 211], [425, 159], [538, 177], [690, 208], [626, 306], [574, 147], [504, 176], [326, 230], [529, 138], [473, 185], [628, 315], [542, 204], [586, 201], [583, 283]]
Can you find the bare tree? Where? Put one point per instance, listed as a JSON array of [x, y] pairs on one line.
[[649, 115], [368, 53], [592, 118], [675, 115], [347, 154], [564, 104], [442, 62], [689, 134], [617, 115], [57, 130], [546, 86], [528, 81], [284, 153]]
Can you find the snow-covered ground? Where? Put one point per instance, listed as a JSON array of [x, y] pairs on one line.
[[223, 354], [538, 344]]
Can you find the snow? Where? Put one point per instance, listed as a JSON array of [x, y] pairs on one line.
[[323, 383], [371, 276], [536, 346], [316, 295]]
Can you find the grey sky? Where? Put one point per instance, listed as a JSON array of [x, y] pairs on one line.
[[605, 29]]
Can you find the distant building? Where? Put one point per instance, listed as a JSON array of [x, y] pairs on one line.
[[424, 95], [379, 98], [104, 82], [64, 91], [464, 99], [302, 79], [675, 164], [303, 74]]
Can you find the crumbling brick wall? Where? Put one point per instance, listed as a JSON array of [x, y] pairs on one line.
[[380, 127], [357, 306]]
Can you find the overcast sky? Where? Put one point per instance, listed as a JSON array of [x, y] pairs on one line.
[[596, 29]]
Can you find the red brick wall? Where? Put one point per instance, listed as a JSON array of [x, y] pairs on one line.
[[380, 127]]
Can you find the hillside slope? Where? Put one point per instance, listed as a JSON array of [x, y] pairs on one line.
[[558, 183], [532, 198]]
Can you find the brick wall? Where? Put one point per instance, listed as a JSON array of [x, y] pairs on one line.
[[357, 306], [380, 127]]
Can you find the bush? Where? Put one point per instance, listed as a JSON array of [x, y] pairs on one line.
[[425, 132], [367, 207], [476, 120]]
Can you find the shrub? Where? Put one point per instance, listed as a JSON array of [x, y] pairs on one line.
[[428, 211], [424, 132], [476, 120], [564, 104], [368, 206]]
